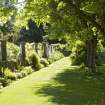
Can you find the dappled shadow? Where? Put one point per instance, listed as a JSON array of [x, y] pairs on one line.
[[74, 87]]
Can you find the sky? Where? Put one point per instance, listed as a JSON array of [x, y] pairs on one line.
[[20, 5]]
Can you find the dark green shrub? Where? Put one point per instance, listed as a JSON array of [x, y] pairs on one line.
[[78, 59], [78, 55], [32, 57], [5, 81], [24, 73], [100, 58], [9, 64], [39, 66], [34, 60], [44, 62], [1, 71], [1, 86]]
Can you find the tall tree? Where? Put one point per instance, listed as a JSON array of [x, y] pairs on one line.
[[76, 18]]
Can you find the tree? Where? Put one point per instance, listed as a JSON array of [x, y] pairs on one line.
[[75, 18], [7, 9]]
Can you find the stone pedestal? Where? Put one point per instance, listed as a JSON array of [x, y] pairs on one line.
[[22, 54], [46, 50]]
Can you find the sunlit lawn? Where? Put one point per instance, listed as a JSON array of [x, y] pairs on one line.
[[59, 84]]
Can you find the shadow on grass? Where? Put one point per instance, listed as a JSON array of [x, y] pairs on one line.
[[74, 87]]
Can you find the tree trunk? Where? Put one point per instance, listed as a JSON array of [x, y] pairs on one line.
[[91, 54]]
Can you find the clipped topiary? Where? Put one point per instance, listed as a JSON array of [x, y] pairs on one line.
[[34, 60]]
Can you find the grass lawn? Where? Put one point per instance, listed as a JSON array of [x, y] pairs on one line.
[[58, 84]]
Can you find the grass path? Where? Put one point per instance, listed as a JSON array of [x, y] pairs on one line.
[[23, 92], [58, 84]]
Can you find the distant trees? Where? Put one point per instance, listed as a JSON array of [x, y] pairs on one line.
[[32, 34]]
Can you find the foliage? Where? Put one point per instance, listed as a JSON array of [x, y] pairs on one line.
[[1, 85], [9, 74], [24, 73], [32, 57], [19, 75], [55, 56], [28, 70], [7, 8], [12, 51], [34, 33], [100, 57], [5, 81], [75, 18], [64, 48], [78, 55], [7, 29], [44, 62]]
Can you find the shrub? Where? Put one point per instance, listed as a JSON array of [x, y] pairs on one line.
[[78, 55], [28, 70], [19, 75], [32, 57], [1, 71], [1, 86], [5, 81], [9, 74], [24, 73], [9, 64], [44, 62], [100, 58], [39, 66], [34, 60], [55, 56], [78, 59], [64, 48]]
